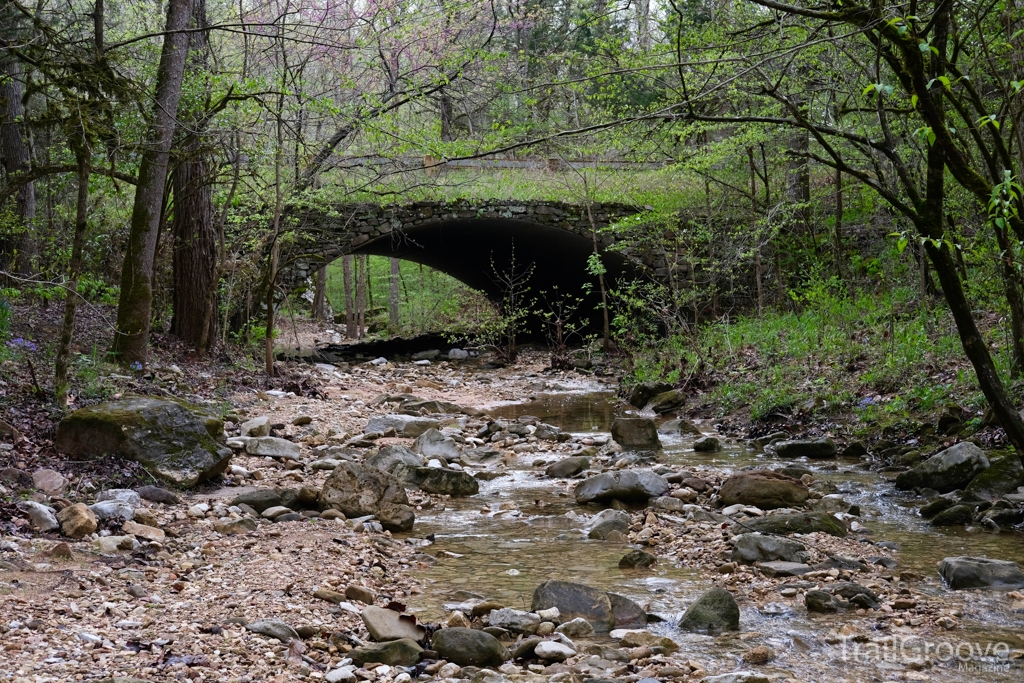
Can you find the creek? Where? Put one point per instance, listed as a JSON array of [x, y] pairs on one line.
[[524, 528]]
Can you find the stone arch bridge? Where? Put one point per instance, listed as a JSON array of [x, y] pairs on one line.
[[464, 238]]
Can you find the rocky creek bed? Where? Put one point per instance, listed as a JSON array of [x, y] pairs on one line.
[[438, 521]]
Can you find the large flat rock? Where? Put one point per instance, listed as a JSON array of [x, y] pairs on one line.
[[175, 441]]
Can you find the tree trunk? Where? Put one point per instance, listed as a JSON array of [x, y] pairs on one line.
[[446, 111], [1011, 289], [194, 255], [394, 314], [360, 296], [320, 295], [131, 338], [350, 309], [62, 361], [837, 233], [14, 151]]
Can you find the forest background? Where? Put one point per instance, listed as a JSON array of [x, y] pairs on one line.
[[834, 185]]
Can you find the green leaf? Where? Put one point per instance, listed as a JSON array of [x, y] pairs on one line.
[[913, 101], [868, 89], [924, 47], [902, 244]]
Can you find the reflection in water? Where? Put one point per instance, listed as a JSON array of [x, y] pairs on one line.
[[522, 529], [569, 412]]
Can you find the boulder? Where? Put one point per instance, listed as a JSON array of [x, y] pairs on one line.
[[714, 611], [546, 432], [935, 506], [77, 521], [859, 595], [480, 457], [678, 427], [235, 527], [642, 393], [567, 467], [551, 651], [607, 521], [763, 489], [625, 485], [1003, 476], [667, 401], [778, 568], [434, 444], [707, 444], [409, 426], [357, 491], [41, 516], [576, 628], [272, 628], [755, 547], [798, 523], [50, 482], [626, 613], [648, 639], [108, 545], [273, 447], [403, 652], [258, 426], [385, 624], [946, 471], [636, 433], [957, 515], [442, 481], [575, 600], [175, 441], [263, 499], [980, 572], [395, 460], [806, 448], [820, 601], [417, 407], [143, 531], [468, 647], [637, 559], [156, 494], [514, 620], [113, 511], [127, 496]]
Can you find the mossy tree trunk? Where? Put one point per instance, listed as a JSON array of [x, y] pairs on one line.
[[134, 309]]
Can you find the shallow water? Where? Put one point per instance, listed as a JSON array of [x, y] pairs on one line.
[[505, 553]]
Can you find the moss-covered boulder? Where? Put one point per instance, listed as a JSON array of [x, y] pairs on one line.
[[798, 523], [174, 440], [1003, 476], [715, 611]]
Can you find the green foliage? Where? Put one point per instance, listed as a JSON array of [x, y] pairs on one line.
[[882, 355], [98, 291], [429, 300]]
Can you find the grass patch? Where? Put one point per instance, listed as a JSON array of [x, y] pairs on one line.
[[884, 357]]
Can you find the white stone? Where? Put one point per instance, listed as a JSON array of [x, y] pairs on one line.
[[342, 675], [449, 670], [123, 495], [738, 677], [258, 426], [42, 517], [113, 510], [552, 615], [275, 512], [273, 447], [553, 652]]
